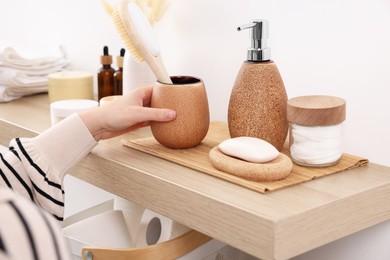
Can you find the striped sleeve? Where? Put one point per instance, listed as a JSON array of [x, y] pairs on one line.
[[28, 232], [35, 167]]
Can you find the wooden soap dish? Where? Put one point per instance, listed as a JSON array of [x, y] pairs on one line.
[[274, 170]]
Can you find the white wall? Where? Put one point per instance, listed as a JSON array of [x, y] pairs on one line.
[[331, 47]]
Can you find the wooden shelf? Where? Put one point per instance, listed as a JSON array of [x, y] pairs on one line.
[[277, 225]]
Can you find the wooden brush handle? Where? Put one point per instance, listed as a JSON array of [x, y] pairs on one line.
[[158, 68]]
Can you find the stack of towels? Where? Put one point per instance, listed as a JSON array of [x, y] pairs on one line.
[[24, 69]]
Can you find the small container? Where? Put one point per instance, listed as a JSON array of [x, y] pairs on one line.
[[108, 99], [187, 96], [105, 75], [118, 75], [70, 85], [64, 108], [315, 135]]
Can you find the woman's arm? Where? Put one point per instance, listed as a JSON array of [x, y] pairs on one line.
[[35, 167]]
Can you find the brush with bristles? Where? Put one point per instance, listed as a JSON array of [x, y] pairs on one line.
[[138, 37], [115, 16]]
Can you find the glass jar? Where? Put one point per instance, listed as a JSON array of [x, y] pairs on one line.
[[315, 133]]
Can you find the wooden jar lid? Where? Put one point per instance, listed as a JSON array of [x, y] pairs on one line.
[[316, 110]]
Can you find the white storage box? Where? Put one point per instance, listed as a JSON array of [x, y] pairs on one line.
[[101, 233]]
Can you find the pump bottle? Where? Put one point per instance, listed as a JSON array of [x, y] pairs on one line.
[[258, 101], [105, 75]]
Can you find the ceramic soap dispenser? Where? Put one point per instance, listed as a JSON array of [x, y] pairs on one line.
[[258, 102]]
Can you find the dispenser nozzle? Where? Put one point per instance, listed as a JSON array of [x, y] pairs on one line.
[[245, 26], [259, 35]]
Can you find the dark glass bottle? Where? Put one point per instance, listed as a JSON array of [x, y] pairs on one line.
[[118, 89], [105, 75]]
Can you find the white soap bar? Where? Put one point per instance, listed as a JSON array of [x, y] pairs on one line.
[[250, 149]]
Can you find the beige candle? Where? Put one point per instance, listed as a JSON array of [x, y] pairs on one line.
[[70, 85]]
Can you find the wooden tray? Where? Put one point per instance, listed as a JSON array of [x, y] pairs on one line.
[[197, 158]]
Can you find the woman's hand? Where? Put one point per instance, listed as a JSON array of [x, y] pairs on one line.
[[130, 112]]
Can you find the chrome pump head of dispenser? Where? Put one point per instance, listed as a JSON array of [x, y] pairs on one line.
[[259, 35]]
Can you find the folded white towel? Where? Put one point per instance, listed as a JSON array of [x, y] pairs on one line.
[[15, 84], [16, 78], [24, 69], [11, 93], [33, 60]]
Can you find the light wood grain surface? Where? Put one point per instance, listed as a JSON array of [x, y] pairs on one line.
[[278, 225], [197, 158]]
